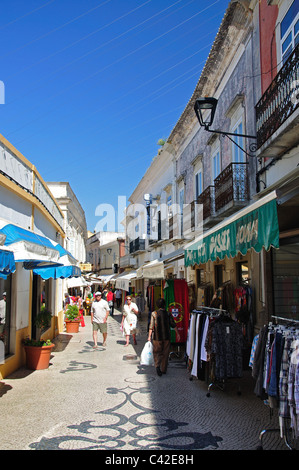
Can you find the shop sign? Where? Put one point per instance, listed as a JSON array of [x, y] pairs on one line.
[[255, 229]]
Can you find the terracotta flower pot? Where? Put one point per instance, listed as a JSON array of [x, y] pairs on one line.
[[38, 358], [72, 326]]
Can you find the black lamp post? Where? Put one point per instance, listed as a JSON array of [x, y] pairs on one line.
[[202, 107]]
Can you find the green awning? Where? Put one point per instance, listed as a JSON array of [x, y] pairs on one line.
[[255, 227]]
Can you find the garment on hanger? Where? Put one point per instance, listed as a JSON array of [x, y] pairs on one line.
[[225, 344], [216, 339], [275, 367], [195, 348]]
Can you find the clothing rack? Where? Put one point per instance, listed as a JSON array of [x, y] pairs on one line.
[[212, 313], [293, 325], [288, 320], [210, 310]]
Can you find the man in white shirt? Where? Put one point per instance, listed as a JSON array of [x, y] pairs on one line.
[[99, 315]]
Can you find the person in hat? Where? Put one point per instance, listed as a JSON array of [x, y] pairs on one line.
[[99, 314], [129, 320]]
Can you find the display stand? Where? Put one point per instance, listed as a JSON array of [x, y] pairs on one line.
[[286, 431]]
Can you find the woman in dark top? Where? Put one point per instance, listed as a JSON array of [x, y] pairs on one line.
[[159, 333]]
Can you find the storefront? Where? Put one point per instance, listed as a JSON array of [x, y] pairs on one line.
[[7, 267], [36, 264], [284, 263], [226, 260], [126, 283]]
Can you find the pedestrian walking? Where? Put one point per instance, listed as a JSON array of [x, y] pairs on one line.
[[110, 300], [129, 320], [104, 293], [140, 302], [67, 300], [99, 314], [159, 333], [81, 310], [118, 295]]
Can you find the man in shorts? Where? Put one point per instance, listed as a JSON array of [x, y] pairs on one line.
[[99, 314]]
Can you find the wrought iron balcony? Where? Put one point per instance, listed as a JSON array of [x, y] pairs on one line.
[[137, 245], [207, 199], [171, 227], [279, 101], [231, 186]]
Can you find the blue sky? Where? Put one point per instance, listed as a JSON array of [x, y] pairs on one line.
[[91, 86]]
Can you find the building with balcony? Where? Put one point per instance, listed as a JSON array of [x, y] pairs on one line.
[[230, 190], [103, 251], [277, 125], [249, 198]]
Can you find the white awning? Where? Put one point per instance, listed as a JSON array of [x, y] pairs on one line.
[[77, 282], [105, 277], [123, 281], [155, 269]]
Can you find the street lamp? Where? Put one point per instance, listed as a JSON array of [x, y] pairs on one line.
[[202, 105], [205, 111]]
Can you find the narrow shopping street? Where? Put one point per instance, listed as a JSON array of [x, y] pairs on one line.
[[105, 400]]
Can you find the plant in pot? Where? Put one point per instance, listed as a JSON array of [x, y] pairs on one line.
[[72, 319], [38, 351]]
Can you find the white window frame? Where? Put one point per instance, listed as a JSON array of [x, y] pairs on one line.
[[290, 34], [181, 205], [216, 163], [238, 156], [198, 183]]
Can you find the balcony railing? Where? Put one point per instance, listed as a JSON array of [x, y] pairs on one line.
[[231, 185], [207, 199], [137, 245], [279, 101]]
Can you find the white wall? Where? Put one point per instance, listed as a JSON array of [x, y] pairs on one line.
[[14, 210], [22, 279]]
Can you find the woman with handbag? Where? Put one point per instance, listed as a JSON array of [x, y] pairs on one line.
[[159, 332], [129, 320]]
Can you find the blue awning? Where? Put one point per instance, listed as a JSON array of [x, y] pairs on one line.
[[31, 249], [7, 263], [67, 270], [66, 258], [60, 272]]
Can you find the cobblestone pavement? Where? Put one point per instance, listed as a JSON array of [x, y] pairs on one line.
[[105, 400]]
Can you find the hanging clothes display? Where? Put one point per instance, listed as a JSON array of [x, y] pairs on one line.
[[195, 346], [177, 303], [243, 302], [214, 338], [204, 294], [275, 366], [224, 343]]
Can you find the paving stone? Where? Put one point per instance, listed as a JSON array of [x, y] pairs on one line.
[[105, 400]]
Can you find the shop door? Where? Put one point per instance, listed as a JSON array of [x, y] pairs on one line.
[[286, 281]]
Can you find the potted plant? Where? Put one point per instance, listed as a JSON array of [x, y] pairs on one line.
[[72, 319], [38, 351]]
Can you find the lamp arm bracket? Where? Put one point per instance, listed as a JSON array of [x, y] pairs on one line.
[[231, 133]]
